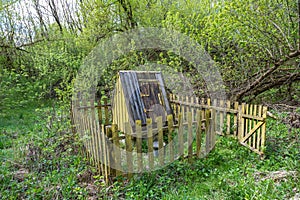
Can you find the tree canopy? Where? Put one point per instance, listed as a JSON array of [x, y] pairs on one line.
[[255, 43]]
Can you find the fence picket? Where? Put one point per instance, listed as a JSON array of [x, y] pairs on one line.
[[180, 134], [160, 140], [250, 124], [228, 122], [221, 118], [254, 123], [207, 131], [128, 143], [190, 135], [138, 125], [170, 137], [235, 119], [259, 130], [199, 133], [263, 134], [150, 143]]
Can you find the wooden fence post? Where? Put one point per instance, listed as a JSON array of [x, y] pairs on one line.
[[116, 149], [150, 143], [160, 140], [207, 131], [235, 119], [138, 131], [128, 143], [241, 122], [190, 136], [170, 137], [228, 123], [199, 133], [180, 134], [263, 129]]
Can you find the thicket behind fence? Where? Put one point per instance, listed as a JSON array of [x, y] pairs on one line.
[[190, 131]]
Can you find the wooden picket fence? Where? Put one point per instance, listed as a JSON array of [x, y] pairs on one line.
[[189, 133]]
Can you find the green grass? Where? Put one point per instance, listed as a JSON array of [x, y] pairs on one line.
[[230, 171], [41, 159]]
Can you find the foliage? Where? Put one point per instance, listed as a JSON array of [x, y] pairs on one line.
[[41, 156]]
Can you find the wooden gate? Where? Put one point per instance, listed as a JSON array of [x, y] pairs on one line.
[[246, 122], [252, 127]]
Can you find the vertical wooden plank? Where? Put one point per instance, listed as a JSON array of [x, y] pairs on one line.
[[203, 110], [258, 143], [246, 120], [92, 129], [182, 107], [254, 123], [213, 128], [128, 143], [208, 102], [263, 129], [190, 136], [199, 133], [221, 117], [117, 153], [235, 119], [250, 122], [170, 137], [228, 124], [215, 119], [196, 109], [188, 108], [99, 112], [193, 108], [178, 106], [97, 147], [150, 143], [180, 134], [106, 112], [160, 140], [138, 125], [100, 148], [207, 131], [105, 153], [241, 122]]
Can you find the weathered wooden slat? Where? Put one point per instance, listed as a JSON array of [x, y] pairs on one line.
[[263, 129], [228, 122], [160, 140], [180, 135], [105, 154], [170, 137], [106, 113], [246, 121], [250, 124], [138, 125], [254, 123], [117, 153], [190, 135], [241, 122], [128, 143], [207, 131], [199, 133], [221, 118], [150, 144], [258, 141], [235, 119], [213, 128]]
